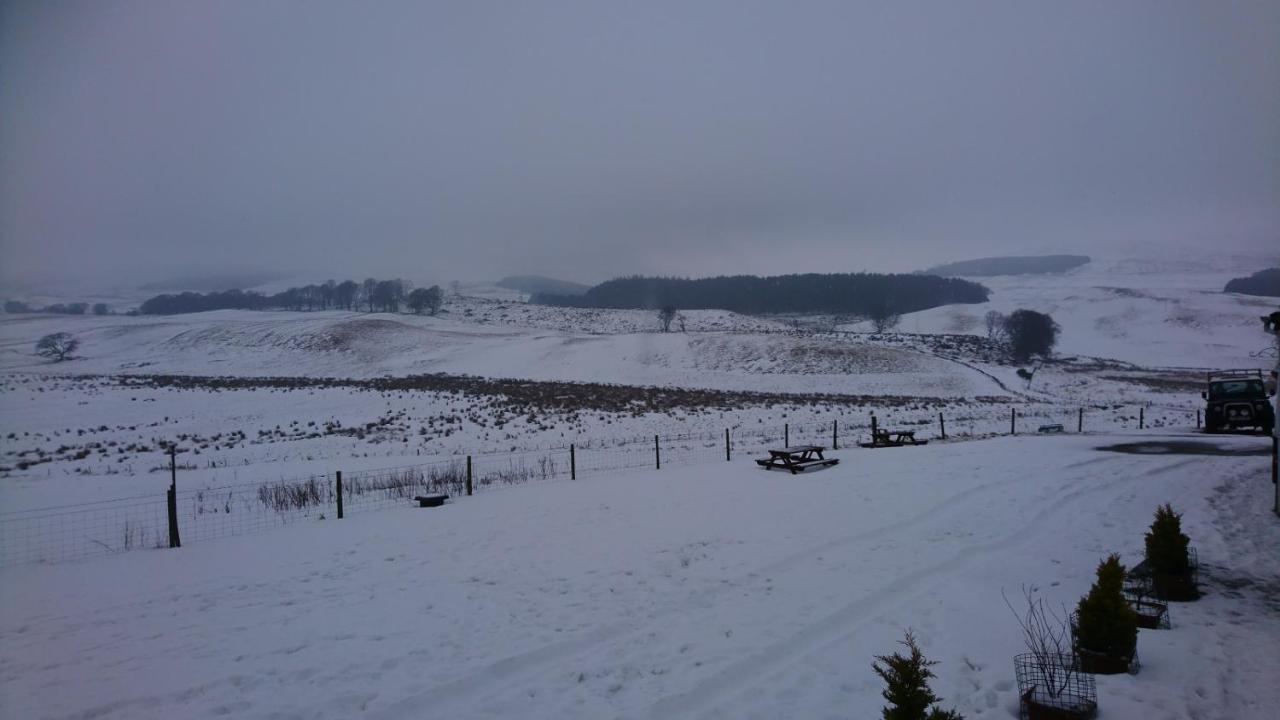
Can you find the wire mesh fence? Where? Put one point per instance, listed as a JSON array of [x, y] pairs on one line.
[[87, 530], [81, 531]]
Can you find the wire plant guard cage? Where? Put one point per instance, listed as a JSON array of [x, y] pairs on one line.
[[1153, 614], [1099, 663], [1140, 583], [1051, 687]]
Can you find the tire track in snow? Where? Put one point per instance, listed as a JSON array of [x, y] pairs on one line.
[[508, 670], [746, 673]]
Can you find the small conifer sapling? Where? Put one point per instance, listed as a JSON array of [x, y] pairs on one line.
[[1169, 557], [907, 685], [1105, 624]]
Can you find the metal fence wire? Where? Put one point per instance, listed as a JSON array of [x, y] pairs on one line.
[[92, 529], [1051, 686]]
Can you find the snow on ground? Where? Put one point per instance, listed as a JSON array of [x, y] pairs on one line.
[[1155, 313], [709, 590], [342, 344], [717, 590], [69, 435], [90, 439]]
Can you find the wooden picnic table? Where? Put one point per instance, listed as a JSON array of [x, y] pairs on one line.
[[893, 438], [796, 458]]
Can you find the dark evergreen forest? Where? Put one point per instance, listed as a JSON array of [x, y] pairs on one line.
[[1264, 282], [857, 293]]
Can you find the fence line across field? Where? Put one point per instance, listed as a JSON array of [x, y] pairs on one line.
[[90, 529]]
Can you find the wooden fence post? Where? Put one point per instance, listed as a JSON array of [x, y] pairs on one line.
[[1197, 418], [786, 434], [1080, 421], [1275, 472], [657, 454], [1142, 418], [175, 541], [835, 435], [873, 427], [942, 425], [338, 484], [573, 463], [727, 454], [1013, 421], [468, 476]]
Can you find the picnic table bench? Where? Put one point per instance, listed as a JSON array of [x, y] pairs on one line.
[[796, 458], [893, 438], [433, 500]]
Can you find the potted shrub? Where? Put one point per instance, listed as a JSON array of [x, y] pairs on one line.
[[907, 689], [1050, 684], [1105, 630], [1170, 562]]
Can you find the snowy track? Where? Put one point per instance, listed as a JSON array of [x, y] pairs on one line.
[[707, 591]]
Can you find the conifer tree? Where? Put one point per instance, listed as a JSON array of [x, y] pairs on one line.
[[1169, 558], [1166, 545], [1105, 623], [907, 680]]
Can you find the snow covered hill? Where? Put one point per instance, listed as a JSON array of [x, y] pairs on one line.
[[709, 589], [722, 350], [1169, 313]]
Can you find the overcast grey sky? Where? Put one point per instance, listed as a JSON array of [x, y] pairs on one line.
[[440, 140]]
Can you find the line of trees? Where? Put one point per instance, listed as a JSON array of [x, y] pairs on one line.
[[17, 307], [370, 295], [866, 294]]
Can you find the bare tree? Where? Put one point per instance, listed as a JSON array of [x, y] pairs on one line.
[[428, 299], [57, 347], [882, 315], [1048, 638], [665, 316], [417, 301], [886, 323], [681, 320], [435, 298], [328, 294], [344, 294], [995, 325], [387, 295], [370, 287]]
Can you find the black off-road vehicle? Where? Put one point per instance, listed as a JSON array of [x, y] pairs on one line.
[[1237, 399]]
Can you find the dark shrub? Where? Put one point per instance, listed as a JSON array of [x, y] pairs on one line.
[[907, 680], [1105, 623], [1168, 557]]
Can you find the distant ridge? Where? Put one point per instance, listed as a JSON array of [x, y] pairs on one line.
[[539, 285], [211, 282], [1010, 265]]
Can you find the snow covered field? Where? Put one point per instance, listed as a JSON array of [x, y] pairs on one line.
[[1156, 313], [708, 589], [716, 590]]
